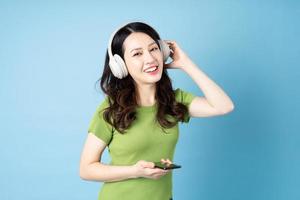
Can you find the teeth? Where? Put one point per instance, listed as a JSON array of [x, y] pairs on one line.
[[151, 69]]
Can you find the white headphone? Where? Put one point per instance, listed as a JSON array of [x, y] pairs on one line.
[[117, 64]]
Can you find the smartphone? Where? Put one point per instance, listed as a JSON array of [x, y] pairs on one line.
[[166, 166]]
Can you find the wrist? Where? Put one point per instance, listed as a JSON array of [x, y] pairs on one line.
[[133, 171]]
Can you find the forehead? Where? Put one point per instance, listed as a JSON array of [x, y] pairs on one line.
[[137, 40]]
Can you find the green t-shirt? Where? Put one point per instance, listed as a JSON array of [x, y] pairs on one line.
[[144, 140]]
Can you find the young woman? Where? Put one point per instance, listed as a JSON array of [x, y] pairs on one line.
[[138, 119]]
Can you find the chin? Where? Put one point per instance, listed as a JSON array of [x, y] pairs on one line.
[[154, 79]]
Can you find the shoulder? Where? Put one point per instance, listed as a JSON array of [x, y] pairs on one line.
[[98, 125], [183, 96], [103, 104]]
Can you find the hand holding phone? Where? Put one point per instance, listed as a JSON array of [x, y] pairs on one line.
[[166, 166]]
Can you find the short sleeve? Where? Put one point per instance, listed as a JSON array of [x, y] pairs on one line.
[[185, 98], [98, 126]]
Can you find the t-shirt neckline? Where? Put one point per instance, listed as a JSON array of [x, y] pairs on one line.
[[146, 108]]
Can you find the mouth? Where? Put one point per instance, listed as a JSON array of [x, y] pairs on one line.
[[151, 70]]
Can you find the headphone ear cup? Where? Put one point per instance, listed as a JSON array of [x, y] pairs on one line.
[[121, 66], [118, 67], [165, 49]]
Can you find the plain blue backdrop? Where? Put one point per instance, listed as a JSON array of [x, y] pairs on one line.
[[52, 53]]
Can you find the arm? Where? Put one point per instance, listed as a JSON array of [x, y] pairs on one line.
[[92, 169], [215, 102]]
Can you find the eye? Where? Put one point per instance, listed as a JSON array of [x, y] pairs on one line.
[[154, 49], [137, 54]]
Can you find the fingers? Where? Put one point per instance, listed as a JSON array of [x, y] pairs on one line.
[[156, 173], [150, 164], [147, 164], [172, 46], [161, 172], [147, 169], [166, 161], [170, 42]]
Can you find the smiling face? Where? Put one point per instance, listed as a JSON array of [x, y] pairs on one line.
[[143, 58]]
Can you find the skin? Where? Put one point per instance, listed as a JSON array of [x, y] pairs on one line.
[[214, 102]]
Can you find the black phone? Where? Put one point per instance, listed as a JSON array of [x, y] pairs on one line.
[[166, 166]]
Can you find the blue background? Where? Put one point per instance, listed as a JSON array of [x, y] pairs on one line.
[[52, 53]]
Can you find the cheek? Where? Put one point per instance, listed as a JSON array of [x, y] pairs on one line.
[[159, 57], [130, 63], [134, 66]]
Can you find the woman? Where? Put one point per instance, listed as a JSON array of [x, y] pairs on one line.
[[138, 119]]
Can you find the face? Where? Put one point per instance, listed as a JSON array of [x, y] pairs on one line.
[[143, 58]]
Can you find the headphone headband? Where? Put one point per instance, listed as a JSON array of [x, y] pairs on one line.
[[112, 37]]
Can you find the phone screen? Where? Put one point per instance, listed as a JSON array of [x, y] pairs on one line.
[[166, 165]]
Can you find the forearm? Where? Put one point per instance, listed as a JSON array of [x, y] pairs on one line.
[[215, 96], [107, 173]]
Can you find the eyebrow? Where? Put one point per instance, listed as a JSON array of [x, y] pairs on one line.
[[141, 48]]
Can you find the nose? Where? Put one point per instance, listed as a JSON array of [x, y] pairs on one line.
[[149, 58]]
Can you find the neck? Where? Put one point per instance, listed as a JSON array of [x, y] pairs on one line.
[[146, 94]]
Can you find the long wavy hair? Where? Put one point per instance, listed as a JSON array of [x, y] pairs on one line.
[[122, 94]]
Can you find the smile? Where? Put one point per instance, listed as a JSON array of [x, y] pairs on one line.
[[151, 69]]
